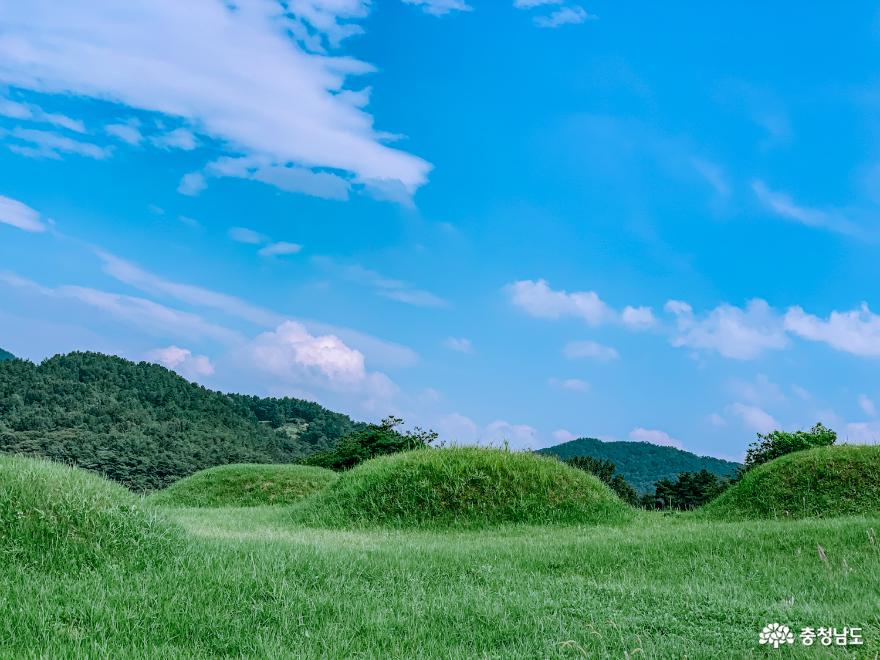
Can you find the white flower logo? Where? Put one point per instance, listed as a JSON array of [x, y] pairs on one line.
[[777, 635]]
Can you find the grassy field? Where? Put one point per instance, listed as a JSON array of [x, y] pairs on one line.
[[250, 582]]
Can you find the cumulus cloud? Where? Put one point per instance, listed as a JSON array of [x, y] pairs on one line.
[[734, 332], [20, 215], [459, 344], [460, 429], [563, 435], [259, 80], [655, 437], [591, 350], [538, 299], [855, 331], [182, 361], [753, 417]]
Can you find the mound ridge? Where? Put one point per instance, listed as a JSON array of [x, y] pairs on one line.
[[465, 487], [57, 517], [245, 485], [818, 483]]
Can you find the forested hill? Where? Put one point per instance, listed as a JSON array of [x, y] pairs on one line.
[[145, 426], [642, 463], [6, 355]]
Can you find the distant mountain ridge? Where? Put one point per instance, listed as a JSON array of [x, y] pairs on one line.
[[145, 426], [641, 463], [6, 355]]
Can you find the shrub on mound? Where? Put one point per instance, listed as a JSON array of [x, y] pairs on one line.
[[468, 487], [818, 483], [245, 485], [55, 517]]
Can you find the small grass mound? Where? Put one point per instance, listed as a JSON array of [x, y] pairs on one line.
[[55, 517], [463, 487], [824, 482], [245, 485]]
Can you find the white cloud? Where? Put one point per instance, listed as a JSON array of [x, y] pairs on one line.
[[862, 433], [440, 7], [257, 80], [563, 435], [655, 437], [741, 334], [785, 207], [572, 15], [182, 361], [753, 417], [127, 132], [179, 138], [867, 405], [855, 331], [386, 287], [192, 184], [34, 113], [638, 318], [761, 390], [48, 144], [590, 349], [531, 4], [459, 344], [280, 248], [573, 384], [537, 299], [245, 235], [20, 215], [458, 429], [515, 436]]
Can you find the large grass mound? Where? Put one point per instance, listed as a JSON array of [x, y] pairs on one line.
[[818, 483], [467, 487], [57, 517], [245, 485]]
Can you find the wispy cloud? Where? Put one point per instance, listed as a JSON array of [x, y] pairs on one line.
[[20, 215], [459, 344], [34, 113], [440, 7], [784, 206], [258, 80], [590, 349], [571, 15], [386, 287], [34, 143]]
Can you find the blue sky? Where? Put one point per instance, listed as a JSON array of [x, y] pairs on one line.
[[523, 221]]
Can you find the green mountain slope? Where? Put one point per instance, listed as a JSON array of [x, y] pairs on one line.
[[6, 355], [145, 426], [642, 463]]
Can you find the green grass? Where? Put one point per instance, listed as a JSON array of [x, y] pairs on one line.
[[463, 487], [245, 485], [818, 483], [250, 584], [57, 518]]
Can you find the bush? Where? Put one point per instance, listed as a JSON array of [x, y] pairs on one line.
[[604, 471], [779, 443], [245, 485], [690, 490], [467, 487], [374, 440]]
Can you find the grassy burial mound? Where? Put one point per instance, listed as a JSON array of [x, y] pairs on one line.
[[245, 485], [55, 517], [463, 487], [819, 483]]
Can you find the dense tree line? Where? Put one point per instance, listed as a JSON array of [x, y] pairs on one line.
[[605, 471], [145, 426], [6, 355], [642, 464]]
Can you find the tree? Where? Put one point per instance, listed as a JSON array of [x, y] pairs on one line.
[[689, 491], [371, 441], [604, 470], [778, 443]]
